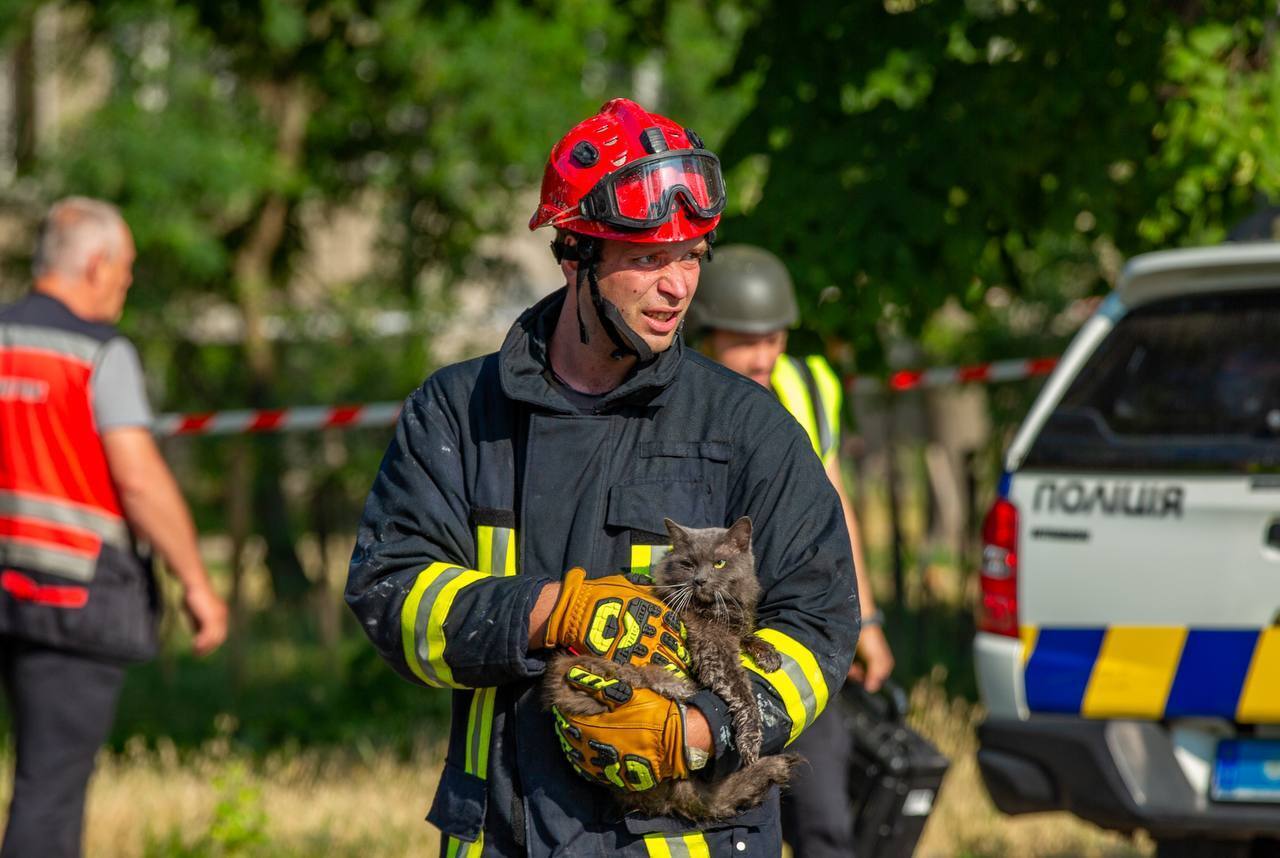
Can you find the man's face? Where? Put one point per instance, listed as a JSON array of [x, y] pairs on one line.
[[109, 276], [752, 355], [651, 285]]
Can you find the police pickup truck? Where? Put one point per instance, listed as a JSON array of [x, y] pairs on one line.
[[1128, 651]]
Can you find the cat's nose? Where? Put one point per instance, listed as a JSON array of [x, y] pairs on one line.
[[701, 578]]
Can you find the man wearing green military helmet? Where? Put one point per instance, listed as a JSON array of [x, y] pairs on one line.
[[744, 307]]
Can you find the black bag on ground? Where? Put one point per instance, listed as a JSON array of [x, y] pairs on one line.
[[894, 773]]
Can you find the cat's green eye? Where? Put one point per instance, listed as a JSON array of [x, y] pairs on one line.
[[719, 564]]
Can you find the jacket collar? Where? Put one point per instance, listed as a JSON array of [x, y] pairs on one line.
[[524, 358], [46, 301]]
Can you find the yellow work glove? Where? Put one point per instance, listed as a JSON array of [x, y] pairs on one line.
[[634, 744], [616, 620]]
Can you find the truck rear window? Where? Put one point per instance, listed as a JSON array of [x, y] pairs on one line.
[[1188, 383]]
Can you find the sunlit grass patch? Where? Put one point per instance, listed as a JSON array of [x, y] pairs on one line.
[[966, 823], [158, 801], [214, 802]]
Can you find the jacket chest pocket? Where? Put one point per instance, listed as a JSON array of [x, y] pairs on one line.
[[682, 481]]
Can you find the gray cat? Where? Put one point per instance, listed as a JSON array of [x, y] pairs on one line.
[[709, 579]]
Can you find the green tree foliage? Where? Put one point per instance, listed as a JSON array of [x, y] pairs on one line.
[[219, 108], [907, 153], [227, 123]]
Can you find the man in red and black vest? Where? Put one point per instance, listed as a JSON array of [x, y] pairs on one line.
[[81, 481]]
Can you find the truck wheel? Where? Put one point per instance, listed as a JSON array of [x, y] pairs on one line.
[[1202, 847]]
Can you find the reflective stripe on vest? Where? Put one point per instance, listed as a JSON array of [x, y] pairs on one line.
[[58, 504], [810, 390], [108, 527], [495, 555], [55, 536], [66, 345]]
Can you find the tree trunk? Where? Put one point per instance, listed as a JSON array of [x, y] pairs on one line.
[[239, 502], [327, 523], [24, 99], [892, 474], [289, 107]]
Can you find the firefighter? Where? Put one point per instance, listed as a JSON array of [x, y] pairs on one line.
[[745, 306], [519, 486], [80, 480]]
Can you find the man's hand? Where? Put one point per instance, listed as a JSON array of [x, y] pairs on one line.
[[617, 620], [156, 511], [875, 659], [635, 743], [208, 615]]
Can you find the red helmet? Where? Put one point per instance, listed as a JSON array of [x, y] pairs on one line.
[[631, 175]]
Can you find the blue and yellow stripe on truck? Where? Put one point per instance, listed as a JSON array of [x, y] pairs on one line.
[[1154, 672]]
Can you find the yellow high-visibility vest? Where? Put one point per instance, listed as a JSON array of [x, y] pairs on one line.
[[810, 390]]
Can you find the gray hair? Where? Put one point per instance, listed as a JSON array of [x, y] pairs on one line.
[[73, 231]]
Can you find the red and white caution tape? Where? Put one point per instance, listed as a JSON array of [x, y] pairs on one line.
[[385, 413], [279, 420], [946, 376]]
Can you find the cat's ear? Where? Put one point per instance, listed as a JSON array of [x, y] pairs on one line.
[[739, 534], [679, 536]]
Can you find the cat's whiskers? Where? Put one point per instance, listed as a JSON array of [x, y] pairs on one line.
[[686, 598], [736, 603], [676, 591], [679, 599]]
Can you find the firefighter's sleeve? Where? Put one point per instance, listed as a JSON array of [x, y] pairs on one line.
[[414, 582], [809, 607]]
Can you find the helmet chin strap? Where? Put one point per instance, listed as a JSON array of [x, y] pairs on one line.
[[627, 343]]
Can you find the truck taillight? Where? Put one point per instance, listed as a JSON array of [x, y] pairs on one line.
[[998, 608]]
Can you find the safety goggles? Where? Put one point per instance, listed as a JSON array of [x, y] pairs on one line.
[[644, 193]]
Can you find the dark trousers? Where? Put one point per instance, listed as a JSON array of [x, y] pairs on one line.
[[816, 816], [62, 706]]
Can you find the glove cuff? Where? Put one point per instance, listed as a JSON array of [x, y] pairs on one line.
[[673, 738], [567, 612], [694, 758]]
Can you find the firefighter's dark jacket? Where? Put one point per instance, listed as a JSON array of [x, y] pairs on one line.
[[495, 485]]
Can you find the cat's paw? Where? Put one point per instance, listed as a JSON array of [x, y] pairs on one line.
[[780, 769], [666, 683], [763, 653]]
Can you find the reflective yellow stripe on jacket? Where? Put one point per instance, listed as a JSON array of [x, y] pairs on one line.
[[432, 595], [495, 555], [692, 845], [821, 420], [645, 557], [423, 616], [798, 683]]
